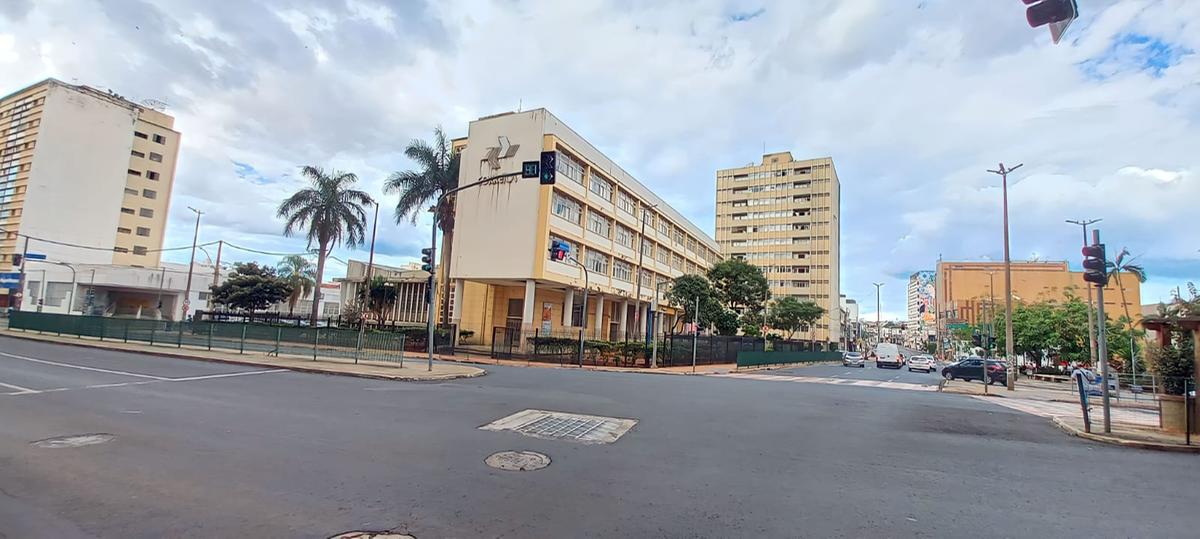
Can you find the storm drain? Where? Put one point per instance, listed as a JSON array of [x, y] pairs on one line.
[[579, 428]]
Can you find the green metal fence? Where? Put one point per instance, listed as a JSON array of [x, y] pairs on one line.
[[296, 341], [757, 359]]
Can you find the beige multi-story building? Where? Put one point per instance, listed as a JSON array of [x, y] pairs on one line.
[[500, 266], [85, 167], [782, 215]]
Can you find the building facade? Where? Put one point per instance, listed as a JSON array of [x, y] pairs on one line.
[[967, 292], [783, 215], [87, 167], [499, 255], [921, 311], [406, 306]]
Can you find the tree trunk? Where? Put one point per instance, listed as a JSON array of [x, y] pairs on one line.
[[316, 303], [447, 246]]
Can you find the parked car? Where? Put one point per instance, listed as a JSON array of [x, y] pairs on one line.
[[887, 355], [921, 362], [972, 369], [853, 359]]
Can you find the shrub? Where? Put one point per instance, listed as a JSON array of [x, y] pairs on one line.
[[1173, 364]]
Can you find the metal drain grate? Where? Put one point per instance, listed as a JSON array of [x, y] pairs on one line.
[[586, 429]]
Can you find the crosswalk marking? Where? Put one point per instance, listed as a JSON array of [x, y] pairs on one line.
[[1052, 409], [829, 381]]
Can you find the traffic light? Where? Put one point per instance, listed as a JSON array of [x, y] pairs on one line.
[[977, 339], [427, 259], [1095, 265], [549, 160], [559, 250], [1056, 13]]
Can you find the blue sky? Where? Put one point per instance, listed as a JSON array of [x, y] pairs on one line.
[[914, 100]]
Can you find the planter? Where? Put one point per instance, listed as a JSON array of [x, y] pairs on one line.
[[1171, 416]]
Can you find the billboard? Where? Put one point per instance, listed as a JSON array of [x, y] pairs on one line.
[[925, 306]]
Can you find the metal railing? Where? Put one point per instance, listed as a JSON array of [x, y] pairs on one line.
[[314, 342]]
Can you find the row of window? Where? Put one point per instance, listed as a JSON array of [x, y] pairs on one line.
[[772, 173], [141, 231], [767, 241], [769, 214], [599, 262], [137, 250], [156, 157], [796, 255], [787, 283], [18, 127], [769, 228], [23, 106], [20, 147], [155, 137], [142, 212], [571, 210]]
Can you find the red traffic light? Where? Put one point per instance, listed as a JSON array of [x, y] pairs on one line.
[[1049, 11]]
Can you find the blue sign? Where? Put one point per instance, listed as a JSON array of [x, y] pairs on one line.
[[10, 280], [35, 256]]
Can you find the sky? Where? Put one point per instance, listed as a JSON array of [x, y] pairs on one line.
[[914, 99]]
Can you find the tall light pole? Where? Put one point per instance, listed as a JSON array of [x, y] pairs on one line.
[[362, 320], [878, 328], [187, 289], [642, 254], [1091, 322], [1008, 331]]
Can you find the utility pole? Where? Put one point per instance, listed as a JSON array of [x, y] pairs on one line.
[[1091, 319], [187, 289], [695, 333], [641, 255], [217, 266], [878, 328], [1008, 331], [362, 320]]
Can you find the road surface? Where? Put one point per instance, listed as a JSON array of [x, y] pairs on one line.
[[210, 450]]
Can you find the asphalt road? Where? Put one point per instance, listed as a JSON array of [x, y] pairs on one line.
[[210, 450], [869, 372]]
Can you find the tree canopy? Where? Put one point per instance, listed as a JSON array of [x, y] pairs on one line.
[[684, 291], [741, 286], [251, 287], [790, 314]]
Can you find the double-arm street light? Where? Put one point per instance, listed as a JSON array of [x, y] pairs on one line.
[[1008, 331]]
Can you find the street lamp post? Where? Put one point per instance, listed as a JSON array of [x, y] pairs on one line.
[[878, 328], [362, 320], [187, 289], [642, 255], [654, 327], [1008, 332], [1091, 321]]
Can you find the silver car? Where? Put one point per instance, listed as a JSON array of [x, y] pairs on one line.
[[853, 359], [921, 363]]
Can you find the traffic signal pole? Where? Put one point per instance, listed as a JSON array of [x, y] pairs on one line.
[[1102, 342]]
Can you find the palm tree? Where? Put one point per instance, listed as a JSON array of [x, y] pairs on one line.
[[437, 174], [1123, 264], [331, 211], [298, 272]]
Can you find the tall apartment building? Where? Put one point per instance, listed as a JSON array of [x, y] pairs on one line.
[[921, 318], [83, 166], [968, 291], [783, 215], [500, 266]]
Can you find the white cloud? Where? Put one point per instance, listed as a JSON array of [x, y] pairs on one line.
[[914, 101]]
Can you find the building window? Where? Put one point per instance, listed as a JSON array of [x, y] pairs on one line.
[[146, 212], [599, 224], [136, 153], [664, 255], [677, 261], [133, 172], [692, 244], [649, 218], [156, 157], [127, 210], [140, 134], [141, 231], [569, 167], [572, 248], [601, 186], [623, 271], [647, 248], [123, 230], [597, 262], [131, 191], [120, 250], [624, 236], [626, 203], [566, 207], [149, 193], [679, 237], [151, 175], [139, 250], [203, 296], [664, 227], [160, 139]]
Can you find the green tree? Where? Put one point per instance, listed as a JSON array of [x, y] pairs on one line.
[[752, 323], [436, 174], [683, 293], [791, 315], [251, 288], [1124, 264], [381, 297], [741, 286], [331, 211], [298, 273]]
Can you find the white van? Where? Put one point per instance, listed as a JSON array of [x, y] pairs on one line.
[[888, 355]]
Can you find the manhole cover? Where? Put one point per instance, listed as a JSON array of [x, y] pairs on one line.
[[586, 429], [76, 440], [518, 461], [371, 535]]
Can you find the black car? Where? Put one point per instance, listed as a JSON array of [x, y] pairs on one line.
[[972, 369]]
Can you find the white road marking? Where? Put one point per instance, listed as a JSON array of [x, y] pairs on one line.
[[18, 388], [831, 381], [83, 368], [226, 375]]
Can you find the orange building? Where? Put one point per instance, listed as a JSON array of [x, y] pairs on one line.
[[966, 290]]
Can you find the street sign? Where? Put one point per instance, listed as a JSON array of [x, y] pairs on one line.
[[957, 325], [10, 280], [530, 169], [35, 256]]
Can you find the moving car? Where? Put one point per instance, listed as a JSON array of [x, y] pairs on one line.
[[853, 359], [887, 355], [972, 369], [920, 362]]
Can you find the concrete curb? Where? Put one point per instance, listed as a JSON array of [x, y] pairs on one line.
[[1136, 444], [309, 370]]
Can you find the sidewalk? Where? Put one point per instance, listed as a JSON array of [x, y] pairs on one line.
[[416, 370], [461, 356]]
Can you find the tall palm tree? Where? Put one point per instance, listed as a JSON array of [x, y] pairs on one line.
[[298, 272], [437, 173], [331, 211], [1123, 264]]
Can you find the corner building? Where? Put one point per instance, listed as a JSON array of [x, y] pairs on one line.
[[783, 215], [502, 277]]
